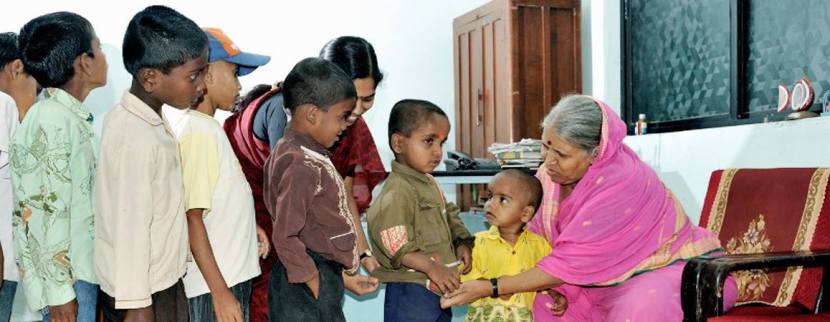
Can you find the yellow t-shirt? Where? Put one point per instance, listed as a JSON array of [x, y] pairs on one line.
[[494, 257], [213, 180]]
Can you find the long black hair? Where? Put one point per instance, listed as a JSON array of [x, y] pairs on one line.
[[355, 56]]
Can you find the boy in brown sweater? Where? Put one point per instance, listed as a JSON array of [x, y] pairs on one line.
[[314, 235]]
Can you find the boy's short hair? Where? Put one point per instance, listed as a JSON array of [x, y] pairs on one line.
[[50, 43], [161, 38], [409, 114], [317, 82], [529, 183], [8, 48]]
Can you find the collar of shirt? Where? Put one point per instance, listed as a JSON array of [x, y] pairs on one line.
[[70, 102], [305, 140], [410, 173], [493, 234], [137, 107], [201, 115]]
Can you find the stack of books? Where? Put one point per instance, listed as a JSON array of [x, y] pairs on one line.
[[526, 153]]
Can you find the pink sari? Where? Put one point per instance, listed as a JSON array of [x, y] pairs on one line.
[[619, 221]]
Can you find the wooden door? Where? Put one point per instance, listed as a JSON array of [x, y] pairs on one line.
[[546, 45], [469, 127], [463, 103], [513, 60], [497, 118], [481, 63]]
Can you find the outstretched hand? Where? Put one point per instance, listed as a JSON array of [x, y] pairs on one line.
[[468, 292]]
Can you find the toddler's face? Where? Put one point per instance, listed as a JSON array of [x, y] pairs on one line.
[[422, 150], [506, 201]]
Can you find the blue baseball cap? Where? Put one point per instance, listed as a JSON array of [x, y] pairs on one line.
[[222, 48]]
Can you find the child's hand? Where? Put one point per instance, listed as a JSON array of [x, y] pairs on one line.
[[314, 285], [465, 254], [64, 313], [226, 307], [559, 305], [445, 278], [264, 246], [360, 284], [370, 263]]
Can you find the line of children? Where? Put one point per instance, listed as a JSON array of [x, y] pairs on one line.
[[224, 236], [139, 238], [158, 191], [17, 93], [53, 168]]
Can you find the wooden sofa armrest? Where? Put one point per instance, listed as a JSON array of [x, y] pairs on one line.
[[701, 288]]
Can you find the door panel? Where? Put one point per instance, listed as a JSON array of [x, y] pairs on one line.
[[476, 93], [463, 92], [530, 77], [564, 59]]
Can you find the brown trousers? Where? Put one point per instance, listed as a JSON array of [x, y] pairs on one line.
[[169, 305]]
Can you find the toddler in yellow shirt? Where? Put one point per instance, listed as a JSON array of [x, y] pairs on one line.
[[507, 248]]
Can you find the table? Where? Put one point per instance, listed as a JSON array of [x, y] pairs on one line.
[[470, 176]]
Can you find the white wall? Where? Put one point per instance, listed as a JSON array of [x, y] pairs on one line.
[[601, 41]]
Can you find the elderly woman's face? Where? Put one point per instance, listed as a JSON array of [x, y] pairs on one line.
[[564, 163]]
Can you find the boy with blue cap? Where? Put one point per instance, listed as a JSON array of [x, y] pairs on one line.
[[224, 238]]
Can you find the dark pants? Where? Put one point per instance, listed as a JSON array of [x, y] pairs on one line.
[[169, 305], [6, 299], [295, 302], [201, 307], [410, 302], [259, 290]]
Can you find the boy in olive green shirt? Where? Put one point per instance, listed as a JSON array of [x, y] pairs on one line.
[[417, 235]]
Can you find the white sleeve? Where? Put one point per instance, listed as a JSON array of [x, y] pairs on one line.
[[8, 121]]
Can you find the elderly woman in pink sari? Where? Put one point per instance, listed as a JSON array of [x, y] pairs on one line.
[[620, 238]]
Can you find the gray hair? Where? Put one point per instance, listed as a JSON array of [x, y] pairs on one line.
[[577, 119]]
